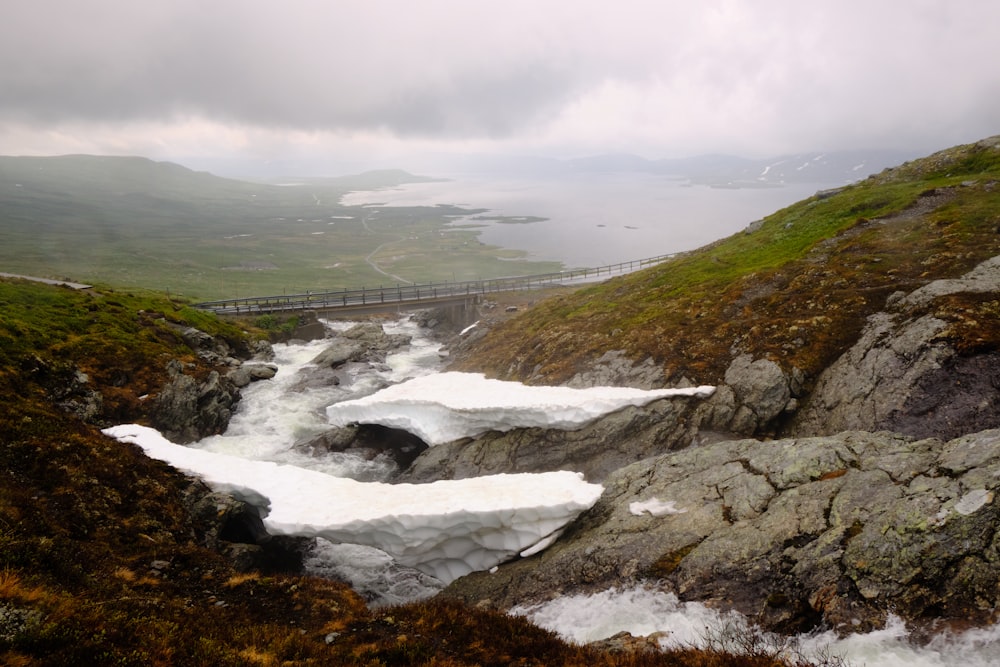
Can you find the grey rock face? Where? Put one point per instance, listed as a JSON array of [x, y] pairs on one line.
[[983, 278], [835, 530], [755, 393], [596, 450], [188, 408], [905, 375], [614, 369]]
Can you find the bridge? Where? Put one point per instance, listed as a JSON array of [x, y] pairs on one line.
[[415, 296]]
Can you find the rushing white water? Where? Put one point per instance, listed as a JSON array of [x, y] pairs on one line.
[[643, 612], [274, 415]]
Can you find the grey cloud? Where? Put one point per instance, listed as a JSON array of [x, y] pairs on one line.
[[778, 74]]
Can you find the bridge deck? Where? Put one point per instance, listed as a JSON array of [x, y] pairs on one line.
[[411, 297]]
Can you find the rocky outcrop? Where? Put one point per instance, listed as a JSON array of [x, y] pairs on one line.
[[926, 367], [195, 402], [189, 408], [234, 528], [615, 369], [244, 374], [836, 530], [596, 450], [756, 393]]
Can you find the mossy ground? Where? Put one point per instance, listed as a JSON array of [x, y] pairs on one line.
[[101, 562], [796, 290]]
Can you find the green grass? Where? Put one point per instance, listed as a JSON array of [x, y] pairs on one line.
[[140, 224]]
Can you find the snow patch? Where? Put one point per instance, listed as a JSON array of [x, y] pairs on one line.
[[444, 407], [446, 529], [655, 507]]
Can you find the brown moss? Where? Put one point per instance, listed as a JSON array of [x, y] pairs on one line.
[[670, 561]]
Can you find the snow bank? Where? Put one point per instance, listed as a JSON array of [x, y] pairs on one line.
[[446, 529], [443, 407]]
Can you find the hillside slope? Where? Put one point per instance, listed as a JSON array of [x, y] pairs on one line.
[[108, 557], [795, 287]]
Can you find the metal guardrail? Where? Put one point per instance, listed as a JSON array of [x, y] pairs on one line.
[[411, 294]]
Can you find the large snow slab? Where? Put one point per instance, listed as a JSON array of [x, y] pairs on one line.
[[446, 529], [443, 407]]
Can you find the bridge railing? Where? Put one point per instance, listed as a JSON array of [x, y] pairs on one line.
[[402, 294]]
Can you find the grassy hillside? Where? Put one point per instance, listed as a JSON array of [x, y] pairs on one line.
[[103, 561], [136, 223], [796, 287]]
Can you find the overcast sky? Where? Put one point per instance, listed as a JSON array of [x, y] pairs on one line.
[[378, 79]]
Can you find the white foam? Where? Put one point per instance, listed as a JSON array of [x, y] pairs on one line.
[[643, 612]]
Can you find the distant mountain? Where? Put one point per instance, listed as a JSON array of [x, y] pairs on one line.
[[731, 171], [715, 170]]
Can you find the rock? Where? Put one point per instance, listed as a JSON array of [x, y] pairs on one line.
[[761, 392], [367, 441], [906, 373], [615, 369], [985, 278], [794, 533], [188, 408], [247, 373], [596, 450], [626, 643], [339, 352], [309, 327], [214, 350], [17, 621], [366, 342]]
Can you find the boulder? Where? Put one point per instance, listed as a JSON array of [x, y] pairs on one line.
[[189, 408], [761, 391], [367, 342], [795, 533], [247, 373], [339, 352]]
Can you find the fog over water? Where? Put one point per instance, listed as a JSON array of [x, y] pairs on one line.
[[595, 220]]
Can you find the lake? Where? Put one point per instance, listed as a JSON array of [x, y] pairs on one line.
[[594, 219]]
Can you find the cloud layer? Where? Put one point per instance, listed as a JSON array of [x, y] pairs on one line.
[[660, 78]]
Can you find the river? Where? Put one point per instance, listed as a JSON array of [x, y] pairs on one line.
[[274, 415]]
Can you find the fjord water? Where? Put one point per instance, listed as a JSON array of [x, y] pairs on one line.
[[594, 219]]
